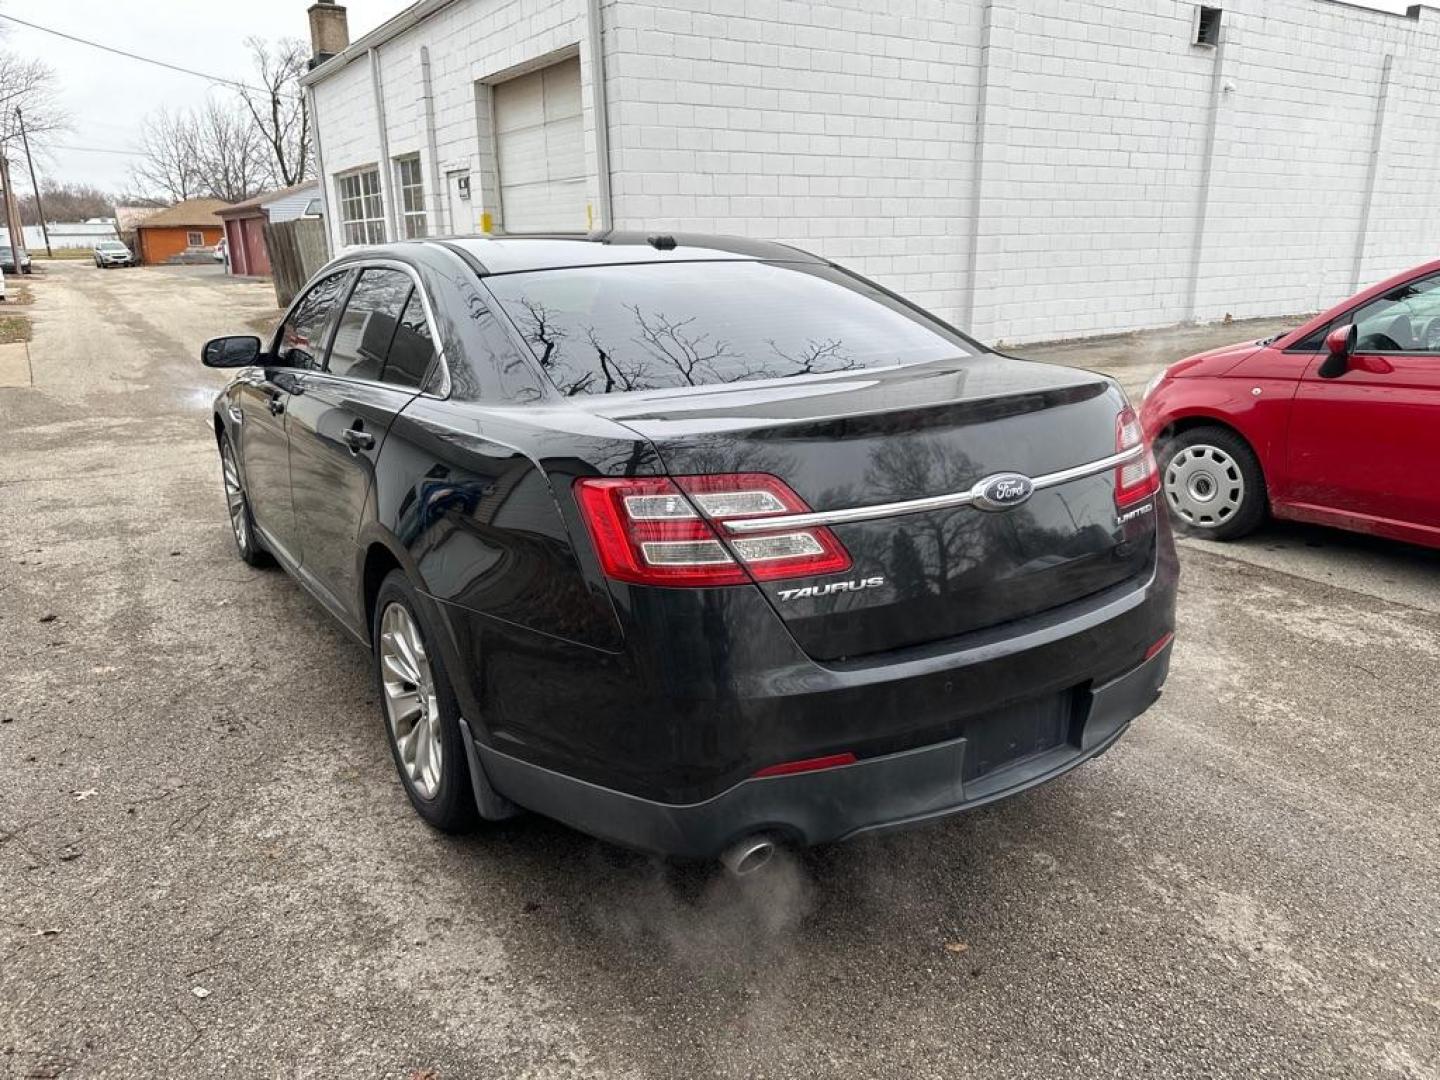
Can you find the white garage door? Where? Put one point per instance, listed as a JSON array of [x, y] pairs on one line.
[[541, 151]]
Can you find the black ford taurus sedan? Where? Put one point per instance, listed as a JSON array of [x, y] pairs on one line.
[[698, 544]]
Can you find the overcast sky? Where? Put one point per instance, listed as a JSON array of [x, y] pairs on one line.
[[107, 96]]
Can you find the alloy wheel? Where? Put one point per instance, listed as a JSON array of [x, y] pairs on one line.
[[1204, 486], [234, 497], [411, 707]]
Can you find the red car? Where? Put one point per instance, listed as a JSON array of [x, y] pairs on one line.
[[1336, 422]]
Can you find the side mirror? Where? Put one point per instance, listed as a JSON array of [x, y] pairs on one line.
[[236, 350], [1340, 345]]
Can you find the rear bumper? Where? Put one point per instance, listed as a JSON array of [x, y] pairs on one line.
[[885, 792]]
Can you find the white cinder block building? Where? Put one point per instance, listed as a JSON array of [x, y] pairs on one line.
[[1027, 168]]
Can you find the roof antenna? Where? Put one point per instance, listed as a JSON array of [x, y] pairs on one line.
[[661, 242]]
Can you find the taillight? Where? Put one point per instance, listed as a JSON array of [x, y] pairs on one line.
[[1138, 478], [658, 530]]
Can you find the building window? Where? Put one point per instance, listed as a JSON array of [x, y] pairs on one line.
[[1207, 26], [362, 210], [412, 196], [195, 239]]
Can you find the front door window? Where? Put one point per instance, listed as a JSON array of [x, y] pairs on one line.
[[1404, 320], [302, 338]]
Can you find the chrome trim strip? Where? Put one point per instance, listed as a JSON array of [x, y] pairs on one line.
[[1080, 472], [920, 506]]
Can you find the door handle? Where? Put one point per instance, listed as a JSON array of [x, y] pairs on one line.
[[358, 440], [237, 416]]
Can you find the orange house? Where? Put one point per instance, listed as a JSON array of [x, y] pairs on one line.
[[184, 233]]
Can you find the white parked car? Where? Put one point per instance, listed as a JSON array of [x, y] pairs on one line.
[[110, 253]]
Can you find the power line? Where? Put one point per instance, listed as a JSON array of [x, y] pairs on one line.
[[95, 149], [136, 56]]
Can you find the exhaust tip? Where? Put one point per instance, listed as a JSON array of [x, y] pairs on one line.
[[749, 855]]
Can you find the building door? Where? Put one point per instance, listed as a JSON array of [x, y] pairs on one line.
[[540, 150], [257, 257]]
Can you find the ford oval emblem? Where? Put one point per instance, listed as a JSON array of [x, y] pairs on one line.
[[1003, 491]]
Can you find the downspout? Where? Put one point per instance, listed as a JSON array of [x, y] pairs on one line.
[[1202, 196], [432, 205], [1377, 144], [383, 168], [598, 105], [331, 241], [977, 171]]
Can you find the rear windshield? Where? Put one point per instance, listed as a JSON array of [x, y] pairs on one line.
[[609, 329]]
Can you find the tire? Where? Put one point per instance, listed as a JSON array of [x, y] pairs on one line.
[[1212, 484], [237, 505], [409, 678]]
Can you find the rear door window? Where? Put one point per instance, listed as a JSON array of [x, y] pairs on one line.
[[367, 327], [609, 329], [302, 338], [412, 348]]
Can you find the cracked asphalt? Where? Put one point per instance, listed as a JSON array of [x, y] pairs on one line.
[[208, 868]]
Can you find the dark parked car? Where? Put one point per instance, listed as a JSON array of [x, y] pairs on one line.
[[7, 260], [698, 544]]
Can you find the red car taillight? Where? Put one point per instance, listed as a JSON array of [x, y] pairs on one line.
[[658, 530], [1138, 479]]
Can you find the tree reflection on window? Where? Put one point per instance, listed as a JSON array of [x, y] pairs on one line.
[[611, 329]]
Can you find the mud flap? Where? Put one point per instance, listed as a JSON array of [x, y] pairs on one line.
[[491, 805]]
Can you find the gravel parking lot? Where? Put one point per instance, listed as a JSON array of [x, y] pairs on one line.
[[208, 867]]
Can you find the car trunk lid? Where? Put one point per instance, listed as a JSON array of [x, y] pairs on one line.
[[921, 432]]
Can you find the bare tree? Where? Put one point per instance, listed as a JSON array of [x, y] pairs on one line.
[[67, 202], [278, 107], [171, 165], [214, 152], [230, 153], [28, 83]]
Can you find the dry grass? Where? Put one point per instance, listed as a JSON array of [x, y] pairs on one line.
[[14, 328], [64, 253]]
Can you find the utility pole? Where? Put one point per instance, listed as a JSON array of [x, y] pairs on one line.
[[11, 217], [39, 208]]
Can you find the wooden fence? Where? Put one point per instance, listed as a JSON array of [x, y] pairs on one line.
[[297, 249]]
